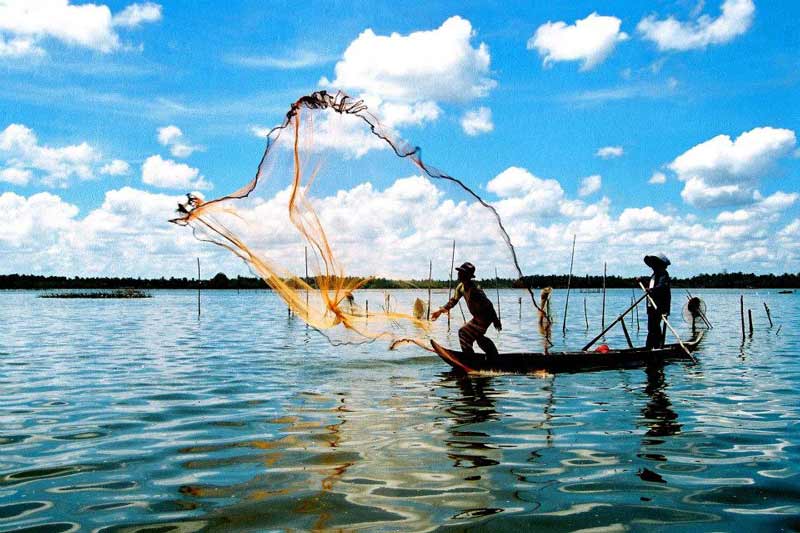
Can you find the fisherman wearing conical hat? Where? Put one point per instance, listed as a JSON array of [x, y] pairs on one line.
[[481, 308], [658, 288]]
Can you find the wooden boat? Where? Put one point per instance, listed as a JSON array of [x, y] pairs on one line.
[[553, 362]]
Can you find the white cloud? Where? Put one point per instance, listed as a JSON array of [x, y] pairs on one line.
[[590, 185], [117, 167], [404, 78], [477, 121], [19, 47], [24, 24], [136, 14], [394, 114], [22, 151], [658, 178], [172, 137], [722, 171], [128, 234], [298, 60], [436, 65], [610, 152], [671, 34], [517, 181], [37, 217], [15, 176], [168, 174], [590, 40]]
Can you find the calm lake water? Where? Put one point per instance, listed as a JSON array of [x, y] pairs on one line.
[[133, 415]]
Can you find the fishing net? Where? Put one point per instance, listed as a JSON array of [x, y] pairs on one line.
[[337, 193]]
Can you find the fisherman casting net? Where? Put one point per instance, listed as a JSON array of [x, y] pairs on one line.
[[336, 184]]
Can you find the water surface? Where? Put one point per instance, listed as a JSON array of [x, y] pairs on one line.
[[126, 415]]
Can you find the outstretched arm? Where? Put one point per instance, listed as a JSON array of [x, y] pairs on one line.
[[459, 292]]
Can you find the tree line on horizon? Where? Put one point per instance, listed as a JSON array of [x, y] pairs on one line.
[[727, 280]]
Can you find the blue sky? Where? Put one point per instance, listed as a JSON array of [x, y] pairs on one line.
[[88, 88]]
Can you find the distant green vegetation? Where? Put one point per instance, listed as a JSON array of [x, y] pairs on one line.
[[733, 280]]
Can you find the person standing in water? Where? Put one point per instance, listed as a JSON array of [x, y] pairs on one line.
[[481, 309], [659, 290]]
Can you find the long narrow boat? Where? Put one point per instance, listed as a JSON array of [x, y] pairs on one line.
[[553, 362]]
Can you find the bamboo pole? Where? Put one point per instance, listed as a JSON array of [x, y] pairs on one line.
[[750, 320], [620, 317], [450, 282], [569, 283], [198, 287], [769, 316], [430, 278], [497, 291], [632, 314], [585, 314], [603, 314], [520, 307], [741, 313]]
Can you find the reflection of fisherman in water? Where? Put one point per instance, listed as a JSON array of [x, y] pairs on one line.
[[472, 407], [658, 413]]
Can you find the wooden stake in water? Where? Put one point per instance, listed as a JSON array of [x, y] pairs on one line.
[[569, 282], [585, 314], [520, 307], [450, 282], [198, 287], [750, 320], [769, 316], [603, 313], [741, 313], [430, 278], [497, 290], [367, 308]]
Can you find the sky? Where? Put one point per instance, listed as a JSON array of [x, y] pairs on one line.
[[639, 127]]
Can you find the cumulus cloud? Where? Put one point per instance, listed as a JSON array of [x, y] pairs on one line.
[[22, 152], [15, 176], [24, 25], [590, 185], [168, 174], [590, 40], [477, 121], [405, 78], [128, 233], [172, 137], [722, 171], [671, 34], [658, 178], [437, 65], [117, 167], [609, 152]]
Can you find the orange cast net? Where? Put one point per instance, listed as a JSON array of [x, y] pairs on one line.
[[337, 185]]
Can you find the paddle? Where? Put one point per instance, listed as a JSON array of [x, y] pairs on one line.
[[664, 318]]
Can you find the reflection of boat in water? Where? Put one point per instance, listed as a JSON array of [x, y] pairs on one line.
[[520, 363]]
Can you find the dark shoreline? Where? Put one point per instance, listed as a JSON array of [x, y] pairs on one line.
[[735, 280]]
